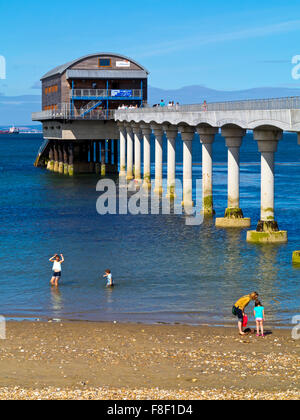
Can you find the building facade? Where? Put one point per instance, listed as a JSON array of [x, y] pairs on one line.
[[79, 99]]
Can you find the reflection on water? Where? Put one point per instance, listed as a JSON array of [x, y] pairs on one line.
[[56, 300], [164, 270]]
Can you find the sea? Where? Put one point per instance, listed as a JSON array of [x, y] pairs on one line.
[[165, 270]]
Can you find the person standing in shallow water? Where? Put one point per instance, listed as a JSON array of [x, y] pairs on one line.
[[109, 278], [239, 309], [57, 261]]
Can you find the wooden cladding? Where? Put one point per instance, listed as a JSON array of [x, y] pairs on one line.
[[51, 89], [50, 108]]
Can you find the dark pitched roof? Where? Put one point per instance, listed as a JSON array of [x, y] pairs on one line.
[[61, 69]]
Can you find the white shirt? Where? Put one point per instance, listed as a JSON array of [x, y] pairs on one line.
[[56, 266]]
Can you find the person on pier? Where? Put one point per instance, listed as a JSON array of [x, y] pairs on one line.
[[57, 261]]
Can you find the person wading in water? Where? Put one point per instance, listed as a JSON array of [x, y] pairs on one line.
[[239, 308], [57, 261]]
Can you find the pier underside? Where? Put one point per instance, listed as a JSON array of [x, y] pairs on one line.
[[74, 147], [70, 157]]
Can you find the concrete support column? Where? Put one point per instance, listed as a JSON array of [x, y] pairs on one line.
[[158, 132], [137, 152], [103, 164], [60, 159], [97, 158], [171, 133], [146, 131], [50, 164], [207, 137], [66, 159], [267, 228], [129, 176], [122, 149], [233, 214], [187, 135], [71, 159], [56, 161]]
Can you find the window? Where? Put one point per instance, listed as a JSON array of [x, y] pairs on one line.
[[51, 89], [104, 62]]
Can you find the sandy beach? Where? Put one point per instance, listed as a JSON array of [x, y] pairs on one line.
[[80, 360]]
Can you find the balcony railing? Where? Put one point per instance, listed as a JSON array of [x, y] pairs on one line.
[[64, 112], [252, 104], [107, 93]]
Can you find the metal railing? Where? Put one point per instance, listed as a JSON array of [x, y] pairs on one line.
[[247, 105], [63, 112], [106, 93]]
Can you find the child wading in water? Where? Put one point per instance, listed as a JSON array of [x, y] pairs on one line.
[[109, 278], [259, 313], [57, 261]]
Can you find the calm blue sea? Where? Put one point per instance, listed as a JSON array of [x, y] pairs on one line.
[[164, 270]]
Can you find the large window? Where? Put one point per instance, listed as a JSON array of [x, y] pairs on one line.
[[104, 62], [51, 89]]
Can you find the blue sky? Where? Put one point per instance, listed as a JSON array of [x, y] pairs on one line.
[[225, 45]]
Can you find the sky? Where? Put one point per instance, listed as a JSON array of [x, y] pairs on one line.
[[224, 45]]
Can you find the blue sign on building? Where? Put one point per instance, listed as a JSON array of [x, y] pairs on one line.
[[121, 93]]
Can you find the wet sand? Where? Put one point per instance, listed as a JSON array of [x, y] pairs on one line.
[[72, 360]]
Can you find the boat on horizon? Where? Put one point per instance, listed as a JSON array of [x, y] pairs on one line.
[[12, 130]]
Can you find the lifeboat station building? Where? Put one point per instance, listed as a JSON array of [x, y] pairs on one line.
[[79, 100]]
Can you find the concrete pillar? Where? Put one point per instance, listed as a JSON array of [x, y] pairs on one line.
[[158, 132], [71, 159], [50, 164], [60, 158], [97, 158], [207, 137], [233, 214], [187, 135], [66, 159], [56, 161], [103, 163], [267, 229], [296, 257], [171, 134], [129, 175], [137, 152], [146, 131], [122, 149]]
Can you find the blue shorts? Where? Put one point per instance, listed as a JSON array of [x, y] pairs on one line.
[[239, 314], [58, 274]]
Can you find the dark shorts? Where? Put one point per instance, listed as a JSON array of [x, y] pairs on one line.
[[239, 314], [58, 274]]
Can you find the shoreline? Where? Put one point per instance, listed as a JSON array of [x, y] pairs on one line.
[[229, 325], [101, 360]]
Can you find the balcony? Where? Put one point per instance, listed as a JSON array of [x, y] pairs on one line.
[[65, 112], [106, 94]]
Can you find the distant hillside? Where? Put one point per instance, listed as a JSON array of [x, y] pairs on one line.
[[197, 94], [17, 109]]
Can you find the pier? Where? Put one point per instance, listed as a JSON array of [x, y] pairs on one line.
[[266, 118], [88, 131]]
